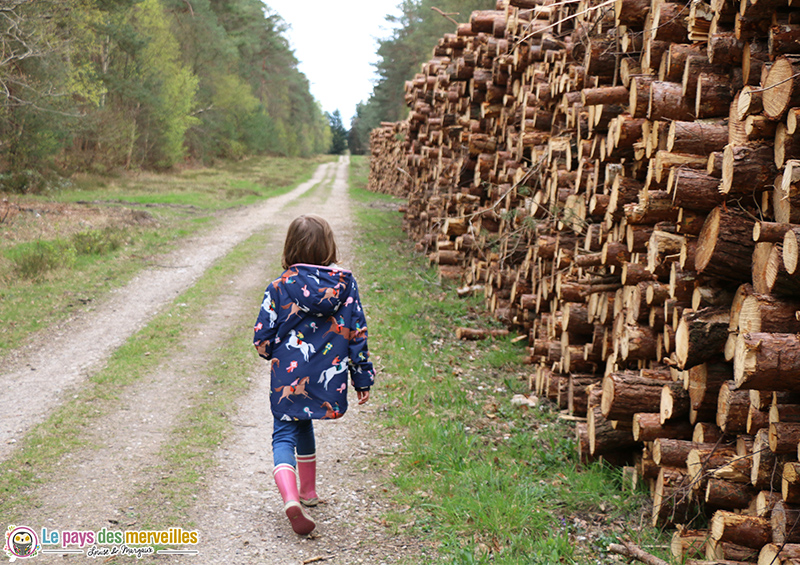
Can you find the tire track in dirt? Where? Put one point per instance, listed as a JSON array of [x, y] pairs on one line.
[[239, 511], [78, 348]]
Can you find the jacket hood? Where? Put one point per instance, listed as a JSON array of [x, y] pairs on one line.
[[318, 290]]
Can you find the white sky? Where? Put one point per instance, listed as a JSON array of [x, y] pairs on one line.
[[335, 42]]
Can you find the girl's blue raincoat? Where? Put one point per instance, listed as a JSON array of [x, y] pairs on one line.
[[312, 328]]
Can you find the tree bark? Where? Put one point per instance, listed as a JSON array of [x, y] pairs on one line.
[[767, 361], [749, 531], [701, 336]]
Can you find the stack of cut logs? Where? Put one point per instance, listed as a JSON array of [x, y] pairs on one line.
[[621, 181]]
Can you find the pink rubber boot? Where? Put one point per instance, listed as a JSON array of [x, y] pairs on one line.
[[286, 479], [307, 471]]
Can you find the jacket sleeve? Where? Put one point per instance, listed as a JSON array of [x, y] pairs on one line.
[[266, 327], [362, 372]]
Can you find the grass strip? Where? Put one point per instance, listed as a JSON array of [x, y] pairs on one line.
[[36, 293], [64, 431], [236, 183], [487, 481], [191, 448], [28, 305]]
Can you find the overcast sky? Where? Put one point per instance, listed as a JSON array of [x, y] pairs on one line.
[[335, 42]]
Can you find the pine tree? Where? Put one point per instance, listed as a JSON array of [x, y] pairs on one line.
[[338, 133]]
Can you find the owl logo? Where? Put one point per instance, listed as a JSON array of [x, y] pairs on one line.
[[21, 543]]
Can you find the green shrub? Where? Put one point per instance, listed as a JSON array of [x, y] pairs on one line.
[[96, 242], [35, 259]]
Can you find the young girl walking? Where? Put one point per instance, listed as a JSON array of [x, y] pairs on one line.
[[312, 329]]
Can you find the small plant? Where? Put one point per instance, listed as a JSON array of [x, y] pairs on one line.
[[34, 260], [96, 242]]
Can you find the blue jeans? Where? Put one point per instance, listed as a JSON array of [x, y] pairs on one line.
[[288, 436]]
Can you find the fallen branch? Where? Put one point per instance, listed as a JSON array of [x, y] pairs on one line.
[[470, 334], [631, 550], [438, 11]]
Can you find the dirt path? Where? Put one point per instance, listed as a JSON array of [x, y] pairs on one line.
[[80, 347], [238, 510]]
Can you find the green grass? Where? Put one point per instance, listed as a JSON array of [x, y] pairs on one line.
[[359, 172], [193, 443], [231, 184], [191, 448], [44, 280], [487, 481]]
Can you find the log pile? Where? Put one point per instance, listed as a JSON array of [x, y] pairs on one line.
[[621, 181]]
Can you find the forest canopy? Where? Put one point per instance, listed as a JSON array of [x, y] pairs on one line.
[[97, 85]]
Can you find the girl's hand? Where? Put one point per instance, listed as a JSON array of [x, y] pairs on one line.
[[363, 396]]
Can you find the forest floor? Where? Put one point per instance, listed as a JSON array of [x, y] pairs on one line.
[[235, 507]]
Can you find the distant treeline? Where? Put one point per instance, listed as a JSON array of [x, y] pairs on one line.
[[97, 85], [416, 32]]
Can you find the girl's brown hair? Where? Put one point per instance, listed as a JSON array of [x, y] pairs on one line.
[[309, 240]]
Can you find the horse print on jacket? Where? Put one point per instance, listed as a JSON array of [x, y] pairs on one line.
[[312, 326]]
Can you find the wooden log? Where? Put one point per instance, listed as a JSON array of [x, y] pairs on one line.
[[728, 495], [766, 313], [694, 190], [786, 146], [784, 437], [701, 336], [781, 88], [626, 393], [767, 361], [648, 427], [667, 102], [577, 394], [698, 137], [638, 342], [783, 412], [765, 502], [791, 250], [756, 419], [785, 523], [688, 543], [475, 334], [779, 554], [706, 379], [674, 402], [707, 432], [763, 472], [770, 232], [704, 459], [713, 95], [749, 531], [747, 168], [605, 95], [603, 437], [725, 245], [726, 553], [671, 497], [732, 408], [669, 452]]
